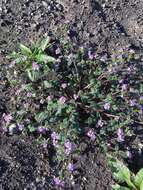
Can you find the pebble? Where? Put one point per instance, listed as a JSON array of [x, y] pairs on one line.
[[44, 4]]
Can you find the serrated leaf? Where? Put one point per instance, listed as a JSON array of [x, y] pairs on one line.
[[45, 58], [44, 43], [139, 178], [141, 186], [25, 50]]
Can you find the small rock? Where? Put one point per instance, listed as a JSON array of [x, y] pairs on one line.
[[44, 4]]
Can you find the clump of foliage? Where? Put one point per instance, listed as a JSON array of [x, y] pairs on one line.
[[61, 93], [126, 180]]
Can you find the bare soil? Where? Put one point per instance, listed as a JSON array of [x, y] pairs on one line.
[[106, 25]]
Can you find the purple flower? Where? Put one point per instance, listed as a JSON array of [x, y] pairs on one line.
[[54, 135], [55, 138], [42, 129], [68, 147], [124, 87], [7, 117], [133, 102], [64, 85], [91, 134], [120, 134], [29, 94], [75, 96], [90, 55], [17, 92], [21, 127], [100, 123], [107, 106], [58, 182], [49, 98], [35, 66], [129, 69], [55, 142], [70, 167], [62, 100]]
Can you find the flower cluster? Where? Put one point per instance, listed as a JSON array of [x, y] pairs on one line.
[[68, 147], [35, 66], [91, 134], [55, 138]]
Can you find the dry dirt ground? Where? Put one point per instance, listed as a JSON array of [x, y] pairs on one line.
[[108, 26]]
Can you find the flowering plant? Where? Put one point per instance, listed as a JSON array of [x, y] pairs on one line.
[[32, 58], [78, 94]]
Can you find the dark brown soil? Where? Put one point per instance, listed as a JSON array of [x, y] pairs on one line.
[[93, 171], [23, 164], [108, 25]]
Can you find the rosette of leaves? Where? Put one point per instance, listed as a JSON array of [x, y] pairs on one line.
[[36, 53], [125, 179]]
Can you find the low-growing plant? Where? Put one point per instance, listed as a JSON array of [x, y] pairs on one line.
[[125, 179], [75, 94]]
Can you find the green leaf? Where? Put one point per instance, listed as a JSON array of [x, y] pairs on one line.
[[25, 50], [33, 75], [47, 84], [118, 187], [120, 171], [141, 186], [13, 82], [45, 58], [19, 60], [12, 55], [139, 178], [31, 128], [44, 43], [125, 173], [40, 117]]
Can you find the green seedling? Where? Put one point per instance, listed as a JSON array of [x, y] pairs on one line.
[[31, 58], [125, 179]]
